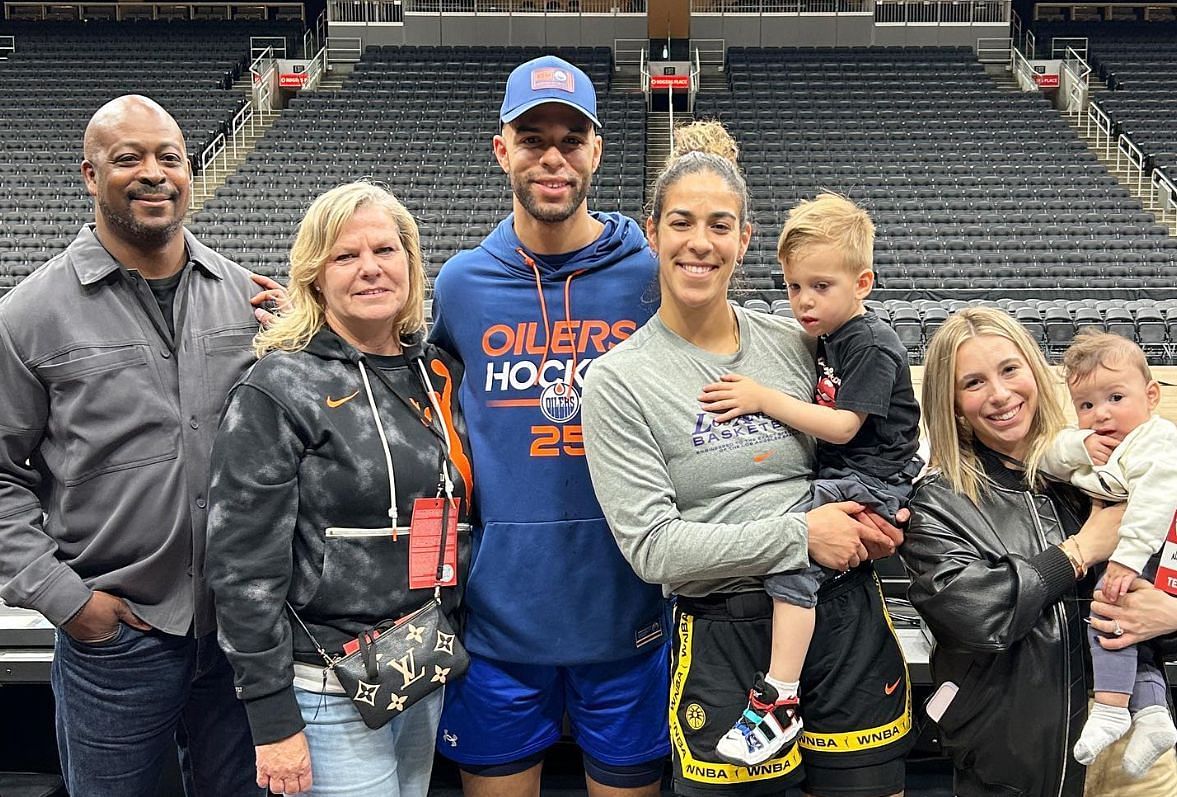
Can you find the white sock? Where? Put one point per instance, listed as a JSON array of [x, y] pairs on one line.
[[1152, 734], [784, 689], [1104, 725]]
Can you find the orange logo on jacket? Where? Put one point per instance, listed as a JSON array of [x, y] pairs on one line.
[[333, 403]]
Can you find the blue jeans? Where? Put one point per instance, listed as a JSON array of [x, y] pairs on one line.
[[123, 706], [349, 759]]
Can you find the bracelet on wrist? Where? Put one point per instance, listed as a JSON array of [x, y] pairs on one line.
[[1075, 560]]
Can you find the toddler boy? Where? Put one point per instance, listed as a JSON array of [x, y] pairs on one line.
[[865, 419]]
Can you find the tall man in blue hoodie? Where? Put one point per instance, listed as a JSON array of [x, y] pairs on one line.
[[558, 622]]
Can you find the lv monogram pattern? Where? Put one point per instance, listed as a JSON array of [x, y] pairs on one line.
[[404, 663]]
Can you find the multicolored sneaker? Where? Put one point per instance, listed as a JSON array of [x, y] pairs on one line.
[[766, 726]]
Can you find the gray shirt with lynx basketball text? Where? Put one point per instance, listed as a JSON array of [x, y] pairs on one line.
[[697, 506]]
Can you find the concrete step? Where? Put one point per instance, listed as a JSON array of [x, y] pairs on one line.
[[713, 83], [658, 143], [228, 162], [1138, 188], [626, 81]]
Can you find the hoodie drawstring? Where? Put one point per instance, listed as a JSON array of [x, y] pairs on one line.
[[383, 442], [543, 306]]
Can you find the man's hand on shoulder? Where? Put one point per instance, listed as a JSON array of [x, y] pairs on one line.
[[271, 300], [99, 619]]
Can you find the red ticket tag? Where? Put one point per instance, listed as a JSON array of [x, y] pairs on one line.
[[425, 543], [352, 645], [1167, 570]]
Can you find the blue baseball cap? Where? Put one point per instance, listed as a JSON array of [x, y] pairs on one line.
[[548, 79]]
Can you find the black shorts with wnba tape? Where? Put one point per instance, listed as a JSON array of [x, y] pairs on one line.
[[855, 694]]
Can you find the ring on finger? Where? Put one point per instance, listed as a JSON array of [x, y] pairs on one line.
[[1116, 629]]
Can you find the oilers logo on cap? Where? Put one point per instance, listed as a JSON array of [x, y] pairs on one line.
[[552, 78]]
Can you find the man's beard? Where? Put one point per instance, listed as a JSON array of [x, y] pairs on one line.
[[136, 231], [521, 187]]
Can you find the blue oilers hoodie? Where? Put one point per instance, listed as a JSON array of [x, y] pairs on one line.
[[547, 584]]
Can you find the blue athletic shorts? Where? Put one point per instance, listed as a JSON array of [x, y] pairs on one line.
[[500, 712]]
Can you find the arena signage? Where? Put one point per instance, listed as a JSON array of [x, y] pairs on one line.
[[1046, 72], [664, 82], [292, 74]]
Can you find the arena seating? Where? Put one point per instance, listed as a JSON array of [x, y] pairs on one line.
[[976, 191], [1052, 322], [1138, 61], [421, 120], [62, 72]]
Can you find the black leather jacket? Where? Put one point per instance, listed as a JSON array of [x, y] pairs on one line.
[[1003, 604]]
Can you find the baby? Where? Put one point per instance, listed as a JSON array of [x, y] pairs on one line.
[[1121, 452]]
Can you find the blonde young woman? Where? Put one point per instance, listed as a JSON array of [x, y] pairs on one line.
[[999, 560], [345, 420]]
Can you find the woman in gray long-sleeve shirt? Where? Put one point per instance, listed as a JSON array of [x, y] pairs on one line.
[[703, 508]]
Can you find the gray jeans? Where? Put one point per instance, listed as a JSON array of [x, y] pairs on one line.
[[799, 587]]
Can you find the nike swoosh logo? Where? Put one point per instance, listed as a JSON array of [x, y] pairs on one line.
[[333, 403], [890, 688], [758, 458]]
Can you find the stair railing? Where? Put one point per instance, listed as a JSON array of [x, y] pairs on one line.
[[1099, 128], [1164, 196], [1076, 73]]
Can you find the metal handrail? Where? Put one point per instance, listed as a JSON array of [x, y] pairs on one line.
[[1050, 10], [1079, 73], [1022, 70], [7, 46], [1103, 127], [275, 44], [393, 11], [256, 67], [1126, 148], [1031, 48], [261, 72], [1060, 44], [209, 155], [1073, 55], [711, 51], [237, 126], [670, 113], [744, 8], [316, 69], [644, 71], [994, 49], [1164, 194], [341, 50], [941, 12], [696, 74], [121, 11], [628, 52]]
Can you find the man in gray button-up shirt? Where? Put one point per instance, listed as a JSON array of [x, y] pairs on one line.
[[115, 358]]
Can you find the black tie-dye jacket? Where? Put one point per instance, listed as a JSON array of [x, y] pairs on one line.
[[298, 453]]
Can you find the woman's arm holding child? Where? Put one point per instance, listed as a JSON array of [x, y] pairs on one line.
[[737, 395]]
